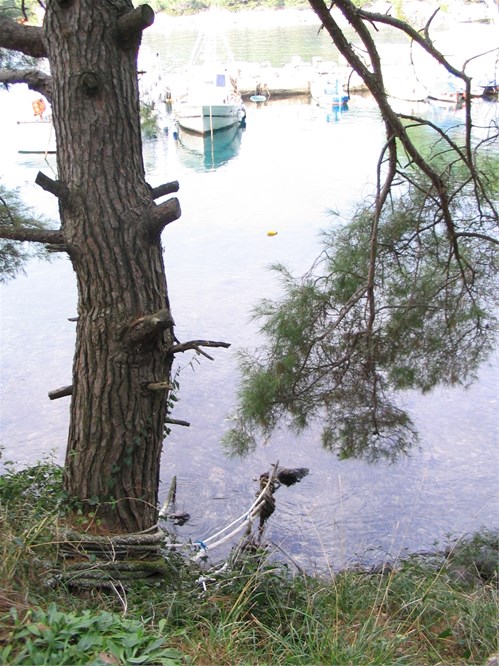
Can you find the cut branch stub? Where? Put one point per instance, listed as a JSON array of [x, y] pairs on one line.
[[56, 248], [61, 392], [162, 215], [159, 386], [132, 24], [179, 422], [55, 187], [147, 327], [163, 190]]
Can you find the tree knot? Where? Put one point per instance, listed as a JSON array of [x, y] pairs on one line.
[[90, 83]]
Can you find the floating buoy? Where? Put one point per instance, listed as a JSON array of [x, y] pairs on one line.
[[271, 233]]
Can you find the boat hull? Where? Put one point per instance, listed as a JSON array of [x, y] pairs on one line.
[[204, 119], [205, 152]]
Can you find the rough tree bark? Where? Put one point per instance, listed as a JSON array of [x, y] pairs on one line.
[[111, 228]]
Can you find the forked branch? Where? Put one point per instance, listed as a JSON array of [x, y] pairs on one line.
[[196, 346]]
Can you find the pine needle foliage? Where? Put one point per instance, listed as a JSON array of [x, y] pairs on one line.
[[338, 350], [15, 214]]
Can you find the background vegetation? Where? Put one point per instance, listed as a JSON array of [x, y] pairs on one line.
[[182, 7]]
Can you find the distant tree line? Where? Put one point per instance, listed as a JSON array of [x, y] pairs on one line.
[[182, 7]]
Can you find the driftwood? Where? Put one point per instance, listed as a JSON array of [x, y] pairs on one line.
[[103, 561]]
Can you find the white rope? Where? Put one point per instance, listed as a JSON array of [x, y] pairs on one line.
[[247, 517], [232, 534]]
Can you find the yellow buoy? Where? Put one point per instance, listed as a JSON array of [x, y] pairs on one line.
[[271, 233]]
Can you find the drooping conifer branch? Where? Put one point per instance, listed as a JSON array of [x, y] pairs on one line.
[[132, 24], [146, 327], [162, 215], [163, 190], [33, 78], [27, 39]]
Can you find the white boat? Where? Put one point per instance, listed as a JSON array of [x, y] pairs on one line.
[[210, 101]]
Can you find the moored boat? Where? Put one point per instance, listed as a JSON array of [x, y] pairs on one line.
[[328, 92], [210, 101]]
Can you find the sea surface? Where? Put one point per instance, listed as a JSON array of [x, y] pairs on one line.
[[295, 169]]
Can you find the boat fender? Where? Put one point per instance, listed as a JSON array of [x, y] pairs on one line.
[[39, 107]]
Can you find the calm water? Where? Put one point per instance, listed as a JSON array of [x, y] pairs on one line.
[[284, 172]]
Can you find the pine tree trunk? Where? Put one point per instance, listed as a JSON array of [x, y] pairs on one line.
[[112, 234]]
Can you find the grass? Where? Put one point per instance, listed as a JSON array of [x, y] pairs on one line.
[[253, 612]]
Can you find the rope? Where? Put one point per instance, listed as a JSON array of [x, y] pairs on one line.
[[247, 517]]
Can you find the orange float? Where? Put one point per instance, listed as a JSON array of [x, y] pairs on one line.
[[39, 107]]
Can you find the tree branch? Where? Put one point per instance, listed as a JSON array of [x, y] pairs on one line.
[[51, 236], [162, 215], [55, 187], [484, 237], [159, 386], [61, 392], [132, 24], [27, 39], [146, 327], [424, 42], [196, 344], [179, 422], [33, 78], [166, 188]]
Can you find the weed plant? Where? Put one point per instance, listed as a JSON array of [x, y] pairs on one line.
[[253, 610]]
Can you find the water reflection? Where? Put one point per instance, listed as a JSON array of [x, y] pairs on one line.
[[211, 151]]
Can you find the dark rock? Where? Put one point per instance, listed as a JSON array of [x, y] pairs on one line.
[[463, 575], [383, 568], [179, 518], [486, 563], [289, 476]]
